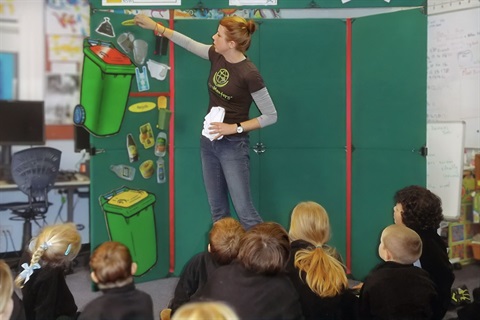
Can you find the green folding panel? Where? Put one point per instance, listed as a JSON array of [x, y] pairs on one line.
[[305, 150], [192, 212], [388, 122]]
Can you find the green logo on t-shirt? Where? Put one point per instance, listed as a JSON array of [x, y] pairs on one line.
[[220, 78]]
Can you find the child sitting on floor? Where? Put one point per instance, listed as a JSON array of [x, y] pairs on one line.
[[396, 289], [113, 270], [45, 292]]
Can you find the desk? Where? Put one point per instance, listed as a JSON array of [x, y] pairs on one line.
[[70, 187]]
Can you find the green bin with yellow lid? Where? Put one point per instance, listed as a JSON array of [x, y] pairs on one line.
[[130, 220], [105, 87]]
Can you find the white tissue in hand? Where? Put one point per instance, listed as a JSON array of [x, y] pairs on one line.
[[216, 114]]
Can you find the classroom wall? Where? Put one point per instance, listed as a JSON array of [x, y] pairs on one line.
[[29, 28]]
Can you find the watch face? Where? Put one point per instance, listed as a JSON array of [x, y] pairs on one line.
[[239, 129]]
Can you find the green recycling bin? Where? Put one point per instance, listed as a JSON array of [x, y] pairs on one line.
[[106, 79], [131, 220]]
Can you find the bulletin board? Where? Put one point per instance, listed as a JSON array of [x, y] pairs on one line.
[[445, 142]]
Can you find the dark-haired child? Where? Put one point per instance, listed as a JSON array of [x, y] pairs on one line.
[[421, 210], [113, 270]]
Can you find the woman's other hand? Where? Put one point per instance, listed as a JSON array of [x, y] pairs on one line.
[[222, 129], [144, 22]]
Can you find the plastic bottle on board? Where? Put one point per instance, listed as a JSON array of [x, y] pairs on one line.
[[123, 171], [132, 148], [161, 144], [161, 175]]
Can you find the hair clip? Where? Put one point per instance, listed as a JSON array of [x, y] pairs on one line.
[[68, 249], [45, 245]]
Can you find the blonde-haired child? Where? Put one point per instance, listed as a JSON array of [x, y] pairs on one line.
[[6, 291], [315, 268], [212, 310], [396, 289], [45, 292], [112, 270]]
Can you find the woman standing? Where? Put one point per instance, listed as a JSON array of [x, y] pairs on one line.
[[234, 83]]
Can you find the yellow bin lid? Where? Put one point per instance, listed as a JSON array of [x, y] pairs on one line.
[[128, 198], [128, 202]]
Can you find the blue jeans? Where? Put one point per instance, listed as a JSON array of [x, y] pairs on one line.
[[226, 169]]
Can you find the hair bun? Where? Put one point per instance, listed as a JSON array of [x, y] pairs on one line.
[[251, 26]]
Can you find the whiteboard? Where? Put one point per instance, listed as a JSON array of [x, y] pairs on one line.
[[453, 71], [445, 143]]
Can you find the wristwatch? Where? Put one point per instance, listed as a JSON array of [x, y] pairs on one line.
[[239, 128]]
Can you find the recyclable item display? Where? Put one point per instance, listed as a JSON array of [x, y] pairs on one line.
[[161, 144], [132, 149], [146, 136], [125, 41], [106, 28], [130, 220], [129, 22], [157, 70], [147, 169], [161, 46], [163, 114], [129, 199], [140, 50], [142, 79], [106, 79], [123, 171], [161, 177]]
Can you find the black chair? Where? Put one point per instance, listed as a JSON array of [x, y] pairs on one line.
[[34, 171]]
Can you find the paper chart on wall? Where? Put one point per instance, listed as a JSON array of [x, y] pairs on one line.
[[445, 143]]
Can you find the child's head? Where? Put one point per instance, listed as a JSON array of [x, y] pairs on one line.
[[400, 244], [213, 310], [224, 240], [112, 265], [55, 246], [309, 222], [325, 274], [417, 208], [265, 248], [6, 291]]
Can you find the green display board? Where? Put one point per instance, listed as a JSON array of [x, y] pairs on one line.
[[303, 62]]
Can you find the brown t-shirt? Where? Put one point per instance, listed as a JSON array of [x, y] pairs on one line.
[[230, 86]]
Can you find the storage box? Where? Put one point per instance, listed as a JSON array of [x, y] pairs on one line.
[[106, 80], [476, 250], [131, 220]]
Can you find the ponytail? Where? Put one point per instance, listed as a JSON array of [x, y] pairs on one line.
[[324, 274]]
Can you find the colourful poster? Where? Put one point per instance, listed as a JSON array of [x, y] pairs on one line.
[[126, 3]]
